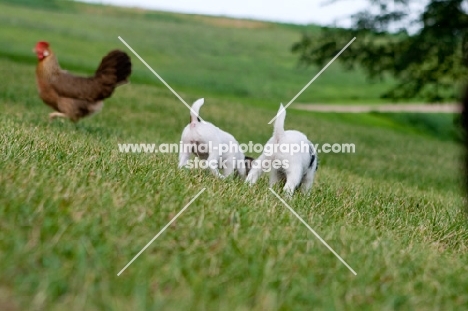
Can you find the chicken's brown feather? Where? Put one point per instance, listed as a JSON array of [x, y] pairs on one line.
[[70, 86], [115, 67]]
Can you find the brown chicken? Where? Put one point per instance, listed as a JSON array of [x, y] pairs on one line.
[[77, 97]]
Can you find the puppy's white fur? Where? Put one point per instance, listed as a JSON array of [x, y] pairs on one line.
[[199, 132], [302, 165]]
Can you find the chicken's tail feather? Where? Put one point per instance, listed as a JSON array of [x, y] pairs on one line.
[[278, 129], [114, 70]]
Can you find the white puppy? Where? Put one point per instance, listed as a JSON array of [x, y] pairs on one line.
[[209, 143], [294, 164]]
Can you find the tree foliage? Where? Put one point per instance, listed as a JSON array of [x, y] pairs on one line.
[[426, 54]]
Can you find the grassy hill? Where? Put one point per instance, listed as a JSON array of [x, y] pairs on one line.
[[243, 59], [74, 211]]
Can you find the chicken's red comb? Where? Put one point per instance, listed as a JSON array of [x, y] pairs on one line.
[[42, 45]]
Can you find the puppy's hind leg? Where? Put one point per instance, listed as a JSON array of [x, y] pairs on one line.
[[307, 181], [213, 163], [228, 167], [293, 179], [255, 170], [275, 176], [183, 158], [241, 168]]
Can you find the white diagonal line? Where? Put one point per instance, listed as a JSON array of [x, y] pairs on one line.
[[316, 76], [159, 77], [160, 232], [315, 233]]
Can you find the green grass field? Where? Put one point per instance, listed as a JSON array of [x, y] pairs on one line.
[[246, 60], [74, 211]]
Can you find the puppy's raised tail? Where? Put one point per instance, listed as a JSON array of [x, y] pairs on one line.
[[278, 129], [195, 111]]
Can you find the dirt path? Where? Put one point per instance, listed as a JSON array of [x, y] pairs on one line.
[[416, 108]]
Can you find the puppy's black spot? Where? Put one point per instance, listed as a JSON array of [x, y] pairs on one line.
[[312, 157], [248, 164]]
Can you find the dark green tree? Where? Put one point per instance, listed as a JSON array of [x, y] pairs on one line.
[[427, 54]]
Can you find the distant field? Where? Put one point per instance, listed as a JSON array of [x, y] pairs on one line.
[[74, 211], [245, 60]]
